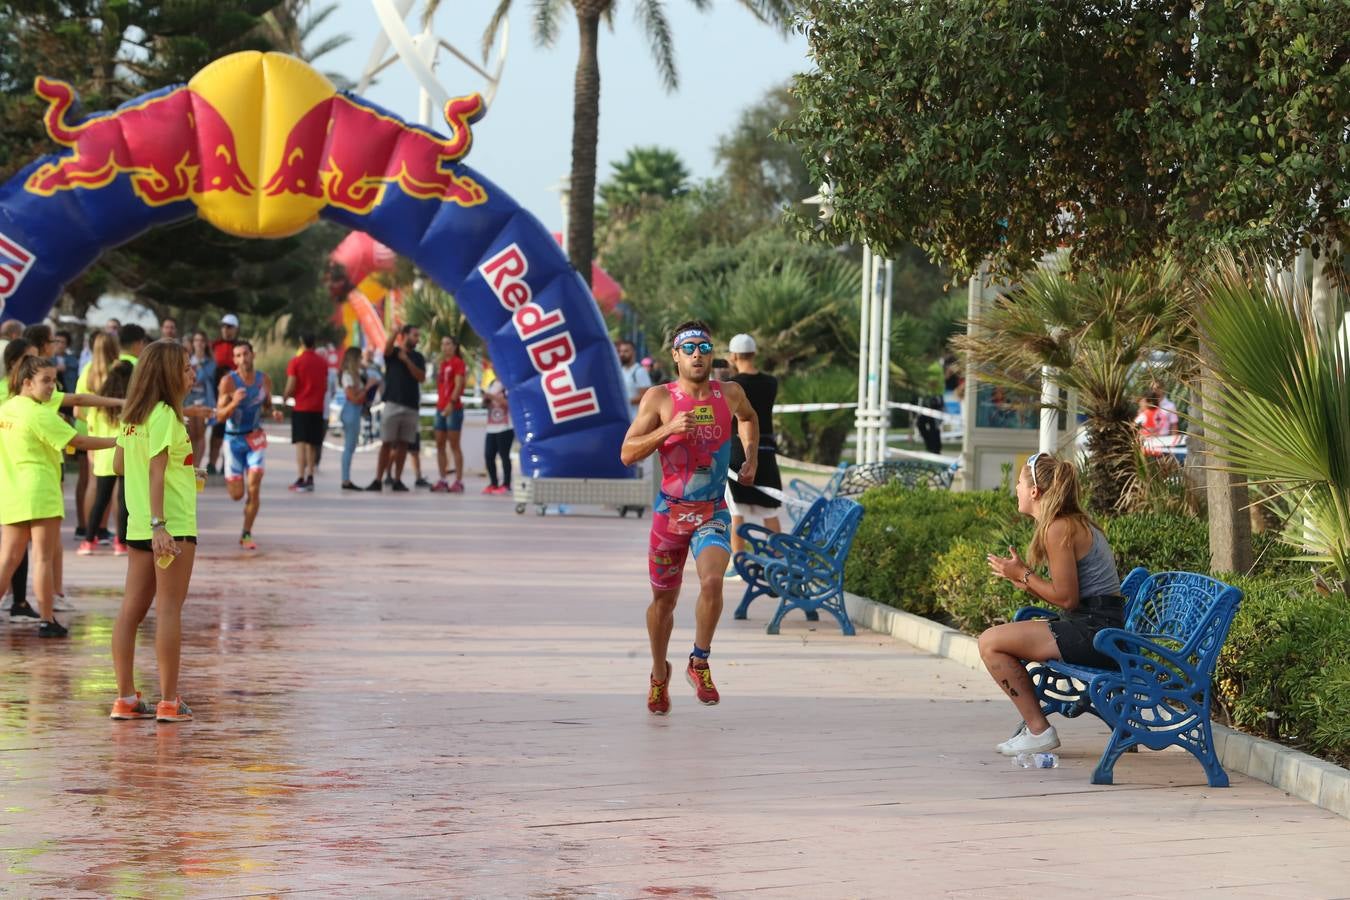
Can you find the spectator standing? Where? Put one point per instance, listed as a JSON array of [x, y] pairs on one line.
[[498, 439], [155, 458], [168, 329], [352, 386], [635, 375], [374, 385], [67, 361], [103, 355], [133, 339], [449, 424], [203, 392], [307, 385], [106, 423], [222, 351], [405, 369], [748, 503], [10, 329]]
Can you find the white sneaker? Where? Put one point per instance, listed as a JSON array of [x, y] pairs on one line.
[[61, 604], [1026, 742], [6, 603]]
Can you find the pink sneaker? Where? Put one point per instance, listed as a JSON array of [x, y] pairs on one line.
[[441, 487], [457, 487], [490, 489], [86, 548], [501, 489], [119, 548]]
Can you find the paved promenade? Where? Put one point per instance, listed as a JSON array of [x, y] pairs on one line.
[[430, 696]]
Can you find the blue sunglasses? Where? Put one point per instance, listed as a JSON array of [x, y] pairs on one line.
[[688, 347]]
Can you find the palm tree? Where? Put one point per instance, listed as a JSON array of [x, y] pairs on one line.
[[643, 174], [651, 15], [1100, 332], [1285, 420], [291, 26]]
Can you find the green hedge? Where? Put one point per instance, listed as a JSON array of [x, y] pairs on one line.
[[925, 551], [1288, 653], [903, 533]]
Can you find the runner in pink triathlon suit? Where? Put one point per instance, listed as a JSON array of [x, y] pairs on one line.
[[689, 423]]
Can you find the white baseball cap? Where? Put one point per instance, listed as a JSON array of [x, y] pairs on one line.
[[230, 319], [742, 343]]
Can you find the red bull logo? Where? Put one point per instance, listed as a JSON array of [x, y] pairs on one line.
[[350, 154], [158, 142]]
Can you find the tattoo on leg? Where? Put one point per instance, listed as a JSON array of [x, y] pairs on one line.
[[1009, 688]]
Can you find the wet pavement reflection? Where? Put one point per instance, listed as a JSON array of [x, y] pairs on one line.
[[429, 696]]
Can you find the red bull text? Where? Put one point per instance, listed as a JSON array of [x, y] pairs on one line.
[[551, 356]]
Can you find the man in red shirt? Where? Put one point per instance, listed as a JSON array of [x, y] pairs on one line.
[[450, 374], [307, 383], [222, 349]]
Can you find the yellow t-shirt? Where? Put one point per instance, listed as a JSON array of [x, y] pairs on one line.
[[162, 431], [32, 438], [100, 425]]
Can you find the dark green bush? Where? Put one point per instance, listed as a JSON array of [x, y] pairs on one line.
[[905, 530], [1287, 654], [1160, 542], [969, 595]]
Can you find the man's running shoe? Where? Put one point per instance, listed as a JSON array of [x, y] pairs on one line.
[[297, 485], [375, 486], [246, 541], [21, 610], [122, 710], [658, 695], [61, 604], [348, 486], [119, 548], [421, 482], [52, 629], [399, 487], [700, 678], [86, 548], [457, 487], [174, 710], [441, 487]]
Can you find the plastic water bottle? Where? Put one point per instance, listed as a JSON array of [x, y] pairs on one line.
[[1036, 761]]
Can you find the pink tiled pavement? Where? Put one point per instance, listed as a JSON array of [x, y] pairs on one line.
[[430, 696]]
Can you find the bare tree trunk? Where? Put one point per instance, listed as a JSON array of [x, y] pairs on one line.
[[1325, 306], [585, 137], [1230, 526]]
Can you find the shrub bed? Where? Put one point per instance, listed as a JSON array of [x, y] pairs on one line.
[[1284, 671]]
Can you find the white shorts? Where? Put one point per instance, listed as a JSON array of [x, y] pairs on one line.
[[750, 512]]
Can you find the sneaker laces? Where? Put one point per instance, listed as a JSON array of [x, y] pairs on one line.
[[705, 675]]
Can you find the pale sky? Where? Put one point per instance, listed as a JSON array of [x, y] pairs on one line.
[[726, 61]]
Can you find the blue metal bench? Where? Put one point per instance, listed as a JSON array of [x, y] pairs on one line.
[[910, 472], [1160, 696], [799, 496], [803, 569]]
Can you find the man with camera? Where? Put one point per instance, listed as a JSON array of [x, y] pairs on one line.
[[405, 370]]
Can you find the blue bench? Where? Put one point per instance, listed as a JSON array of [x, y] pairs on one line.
[[1160, 696], [800, 494], [909, 472], [804, 569]]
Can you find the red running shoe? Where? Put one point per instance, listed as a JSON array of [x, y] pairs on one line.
[[658, 695], [700, 678]]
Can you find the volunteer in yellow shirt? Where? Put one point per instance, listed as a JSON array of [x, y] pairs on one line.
[[32, 439], [154, 456]]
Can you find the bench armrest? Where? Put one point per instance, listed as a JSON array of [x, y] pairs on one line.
[[804, 490], [757, 536]]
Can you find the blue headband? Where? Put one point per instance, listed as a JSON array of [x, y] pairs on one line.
[[691, 333]]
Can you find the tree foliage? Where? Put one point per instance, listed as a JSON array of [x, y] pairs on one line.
[[115, 51], [1004, 130]]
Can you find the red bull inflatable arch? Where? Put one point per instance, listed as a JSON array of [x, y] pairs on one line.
[[261, 145]]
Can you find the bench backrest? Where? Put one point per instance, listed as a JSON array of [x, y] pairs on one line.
[[830, 523], [911, 473], [1189, 611]]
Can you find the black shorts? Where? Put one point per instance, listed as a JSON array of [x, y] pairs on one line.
[[218, 431], [766, 475], [148, 547], [1074, 631], [307, 428]]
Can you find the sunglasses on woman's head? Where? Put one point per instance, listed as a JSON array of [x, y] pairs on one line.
[[1031, 464], [688, 347]]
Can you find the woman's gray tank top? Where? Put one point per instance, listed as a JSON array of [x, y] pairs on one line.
[[1097, 576]]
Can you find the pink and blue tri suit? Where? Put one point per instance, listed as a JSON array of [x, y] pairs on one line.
[[691, 511]]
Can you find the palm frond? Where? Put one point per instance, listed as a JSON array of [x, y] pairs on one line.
[[499, 15], [651, 15], [546, 14]]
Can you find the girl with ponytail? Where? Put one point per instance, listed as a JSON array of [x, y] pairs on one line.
[[1083, 584]]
